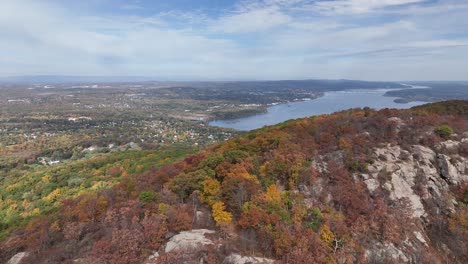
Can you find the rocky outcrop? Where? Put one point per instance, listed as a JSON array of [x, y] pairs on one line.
[[382, 253], [420, 175], [189, 240], [449, 172], [192, 242], [401, 169], [16, 259], [239, 259], [404, 169]]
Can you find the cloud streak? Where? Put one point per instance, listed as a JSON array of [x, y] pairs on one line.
[[357, 6]]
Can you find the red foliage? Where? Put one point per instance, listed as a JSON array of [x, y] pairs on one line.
[[349, 196], [180, 218]]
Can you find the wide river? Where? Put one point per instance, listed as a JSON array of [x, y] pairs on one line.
[[329, 103]]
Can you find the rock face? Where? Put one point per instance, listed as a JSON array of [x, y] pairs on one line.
[[420, 175], [16, 259], [421, 166], [451, 174], [238, 259], [189, 240], [402, 169], [386, 251]]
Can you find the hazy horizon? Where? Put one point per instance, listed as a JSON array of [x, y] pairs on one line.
[[135, 78]]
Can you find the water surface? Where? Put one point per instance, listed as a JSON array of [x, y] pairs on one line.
[[329, 103]]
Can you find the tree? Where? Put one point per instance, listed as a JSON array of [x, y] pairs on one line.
[[211, 191], [220, 215], [273, 195], [185, 183], [147, 197], [326, 235]]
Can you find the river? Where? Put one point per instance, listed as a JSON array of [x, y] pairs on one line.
[[329, 103]]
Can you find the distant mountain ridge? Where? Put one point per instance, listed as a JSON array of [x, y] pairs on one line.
[[54, 79], [57, 79]]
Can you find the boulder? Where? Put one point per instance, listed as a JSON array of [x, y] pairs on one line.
[[372, 184], [239, 259], [153, 258], [449, 172], [449, 146], [16, 259], [383, 252], [189, 240]]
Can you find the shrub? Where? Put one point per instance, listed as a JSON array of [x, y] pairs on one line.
[[444, 131], [147, 197]]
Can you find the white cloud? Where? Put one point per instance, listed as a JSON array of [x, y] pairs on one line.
[[261, 39], [357, 6], [258, 19]]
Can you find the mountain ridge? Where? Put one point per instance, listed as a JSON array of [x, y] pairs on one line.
[[357, 186]]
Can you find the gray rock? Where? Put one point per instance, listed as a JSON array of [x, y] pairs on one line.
[[402, 174], [449, 146], [372, 184], [16, 259], [449, 171], [419, 236], [189, 240], [381, 252], [238, 259], [397, 123], [424, 154], [402, 188], [153, 258]]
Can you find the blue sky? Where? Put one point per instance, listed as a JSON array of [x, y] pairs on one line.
[[236, 40]]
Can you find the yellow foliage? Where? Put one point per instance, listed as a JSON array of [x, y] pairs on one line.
[[162, 208], [326, 235], [55, 226], [12, 187], [45, 179], [272, 194], [139, 167], [35, 211], [53, 195], [344, 144], [264, 169], [298, 212], [210, 192], [100, 185], [220, 215], [12, 204], [249, 177], [25, 204]]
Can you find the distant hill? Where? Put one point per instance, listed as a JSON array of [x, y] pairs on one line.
[[318, 84], [56, 79], [436, 91], [357, 186]]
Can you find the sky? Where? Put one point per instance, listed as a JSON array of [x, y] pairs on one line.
[[391, 40]]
